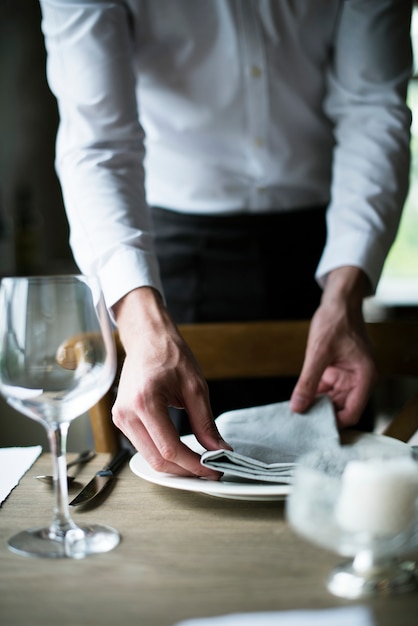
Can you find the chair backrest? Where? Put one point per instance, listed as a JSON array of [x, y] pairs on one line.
[[277, 348]]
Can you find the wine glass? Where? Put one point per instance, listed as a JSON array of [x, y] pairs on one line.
[[362, 503], [57, 359]]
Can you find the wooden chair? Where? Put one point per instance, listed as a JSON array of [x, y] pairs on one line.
[[261, 349]]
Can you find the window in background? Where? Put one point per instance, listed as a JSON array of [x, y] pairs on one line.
[[399, 282], [397, 293]]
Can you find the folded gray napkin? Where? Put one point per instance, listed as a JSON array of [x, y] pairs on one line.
[[267, 440]]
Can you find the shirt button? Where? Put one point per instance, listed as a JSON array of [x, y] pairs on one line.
[[259, 142], [256, 71]]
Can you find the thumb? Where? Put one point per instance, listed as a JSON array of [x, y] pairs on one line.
[[306, 387]]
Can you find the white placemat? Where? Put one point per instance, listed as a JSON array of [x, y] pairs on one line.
[[14, 463], [344, 616]]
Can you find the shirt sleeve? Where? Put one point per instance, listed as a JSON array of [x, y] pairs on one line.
[[371, 67], [100, 143]]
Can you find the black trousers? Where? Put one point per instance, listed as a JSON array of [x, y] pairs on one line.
[[245, 267], [237, 268]]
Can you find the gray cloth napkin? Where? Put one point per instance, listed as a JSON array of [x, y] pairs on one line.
[[267, 440]]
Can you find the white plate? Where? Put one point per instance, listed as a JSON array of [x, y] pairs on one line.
[[235, 489]]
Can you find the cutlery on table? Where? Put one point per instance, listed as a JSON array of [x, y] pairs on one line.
[[102, 478], [83, 457]]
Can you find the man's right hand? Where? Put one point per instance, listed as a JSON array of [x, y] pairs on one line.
[[160, 371]]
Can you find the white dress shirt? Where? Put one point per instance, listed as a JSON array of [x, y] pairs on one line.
[[226, 106]]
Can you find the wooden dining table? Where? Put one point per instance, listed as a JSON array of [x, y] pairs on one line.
[[182, 555]]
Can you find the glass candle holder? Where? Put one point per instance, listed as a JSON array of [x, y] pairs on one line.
[[360, 503]]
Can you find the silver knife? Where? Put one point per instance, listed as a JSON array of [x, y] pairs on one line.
[[101, 479]]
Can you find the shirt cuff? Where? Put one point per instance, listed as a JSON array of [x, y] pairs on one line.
[[126, 270], [357, 250]]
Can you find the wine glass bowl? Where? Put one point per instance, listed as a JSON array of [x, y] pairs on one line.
[[360, 503], [45, 320]]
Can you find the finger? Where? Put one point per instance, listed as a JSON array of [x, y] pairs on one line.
[[161, 447], [134, 430], [203, 424], [349, 391], [307, 385], [350, 408], [350, 413], [166, 439]]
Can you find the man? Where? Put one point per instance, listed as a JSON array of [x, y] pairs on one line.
[[241, 123]]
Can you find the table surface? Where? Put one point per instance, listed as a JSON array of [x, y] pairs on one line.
[[182, 555]]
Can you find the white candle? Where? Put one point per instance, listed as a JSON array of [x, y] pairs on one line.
[[378, 496]]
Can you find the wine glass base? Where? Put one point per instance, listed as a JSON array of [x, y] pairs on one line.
[[346, 582], [75, 543]]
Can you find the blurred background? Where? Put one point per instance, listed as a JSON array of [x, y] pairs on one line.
[[33, 226]]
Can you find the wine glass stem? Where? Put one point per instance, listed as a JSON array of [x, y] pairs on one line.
[[57, 436]]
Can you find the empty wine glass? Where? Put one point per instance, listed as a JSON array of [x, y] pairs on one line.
[[361, 503], [57, 359]]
